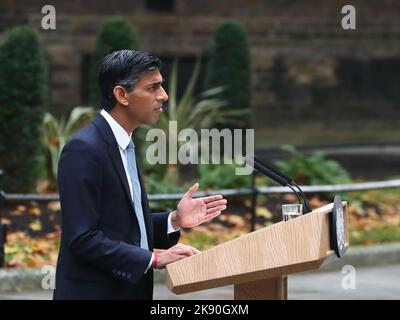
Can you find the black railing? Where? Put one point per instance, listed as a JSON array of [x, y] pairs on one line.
[[252, 192]]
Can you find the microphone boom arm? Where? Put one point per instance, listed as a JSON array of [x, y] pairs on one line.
[[281, 179]]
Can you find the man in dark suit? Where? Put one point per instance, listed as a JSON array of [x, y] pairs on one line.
[[108, 231]]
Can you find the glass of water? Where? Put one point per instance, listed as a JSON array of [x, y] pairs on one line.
[[291, 211]]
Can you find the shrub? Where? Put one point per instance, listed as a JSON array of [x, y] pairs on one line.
[[168, 184], [115, 34], [222, 176], [229, 66], [23, 93], [312, 169]]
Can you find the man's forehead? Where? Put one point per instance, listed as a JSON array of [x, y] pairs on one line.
[[151, 76]]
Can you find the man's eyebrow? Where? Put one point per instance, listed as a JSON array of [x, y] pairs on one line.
[[156, 82]]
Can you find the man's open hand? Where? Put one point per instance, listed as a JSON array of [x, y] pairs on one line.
[[192, 212]]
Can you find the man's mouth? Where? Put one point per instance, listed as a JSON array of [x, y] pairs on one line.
[[158, 109]]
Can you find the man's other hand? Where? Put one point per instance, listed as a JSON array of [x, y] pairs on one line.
[[175, 253]]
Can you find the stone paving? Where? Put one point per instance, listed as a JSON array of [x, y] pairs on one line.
[[379, 282]]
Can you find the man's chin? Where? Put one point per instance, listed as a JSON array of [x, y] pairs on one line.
[[152, 122]]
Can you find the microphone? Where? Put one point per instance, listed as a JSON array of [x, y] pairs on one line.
[[274, 171], [270, 173], [280, 178]]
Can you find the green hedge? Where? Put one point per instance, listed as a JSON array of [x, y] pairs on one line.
[[23, 93]]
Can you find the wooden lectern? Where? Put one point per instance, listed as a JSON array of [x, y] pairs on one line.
[[257, 264]]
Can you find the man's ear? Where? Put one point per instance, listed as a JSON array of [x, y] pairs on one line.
[[120, 95]]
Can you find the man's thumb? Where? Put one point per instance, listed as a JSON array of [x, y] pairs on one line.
[[192, 189]]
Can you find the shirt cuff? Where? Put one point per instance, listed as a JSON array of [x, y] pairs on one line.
[[150, 263], [170, 227]]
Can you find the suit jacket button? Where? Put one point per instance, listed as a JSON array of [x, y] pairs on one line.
[[123, 274]]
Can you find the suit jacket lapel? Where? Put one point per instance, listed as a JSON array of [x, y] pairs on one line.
[[113, 151], [115, 155]]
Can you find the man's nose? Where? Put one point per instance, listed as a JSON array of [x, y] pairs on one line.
[[163, 95]]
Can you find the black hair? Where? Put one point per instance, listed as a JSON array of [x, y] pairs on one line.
[[123, 68]]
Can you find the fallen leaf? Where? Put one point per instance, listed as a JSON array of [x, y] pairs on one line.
[[247, 203], [13, 237], [34, 212], [263, 212], [238, 221], [316, 202], [35, 261], [17, 261], [54, 206], [215, 227], [16, 213], [35, 225], [5, 221], [21, 208], [42, 246], [53, 235]]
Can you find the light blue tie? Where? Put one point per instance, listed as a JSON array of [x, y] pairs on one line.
[[137, 196]]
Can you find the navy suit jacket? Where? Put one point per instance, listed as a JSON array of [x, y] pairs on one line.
[[100, 255]]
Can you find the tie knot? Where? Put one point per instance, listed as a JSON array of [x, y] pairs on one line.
[[131, 145]]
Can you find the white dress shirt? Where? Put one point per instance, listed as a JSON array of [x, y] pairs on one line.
[[123, 139]]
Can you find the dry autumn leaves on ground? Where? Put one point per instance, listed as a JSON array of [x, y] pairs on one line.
[[34, 228]]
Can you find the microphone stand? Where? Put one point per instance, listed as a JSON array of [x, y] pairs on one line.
[[281, 179]]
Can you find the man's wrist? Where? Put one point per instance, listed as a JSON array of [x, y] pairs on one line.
[[175, 220], [155, 260]]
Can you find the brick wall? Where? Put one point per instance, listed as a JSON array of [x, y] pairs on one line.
[[302, 60]]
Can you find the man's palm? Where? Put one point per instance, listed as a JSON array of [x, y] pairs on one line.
[[192, 212]]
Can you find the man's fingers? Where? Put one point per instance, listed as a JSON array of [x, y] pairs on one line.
[[212, 198], [194, 250], [178, 257], [211, 216], [218, 208], [184, 249], [182, 252], [216, 203], [177, 252]]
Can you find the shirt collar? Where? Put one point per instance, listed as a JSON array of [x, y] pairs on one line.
[[122, 137]]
